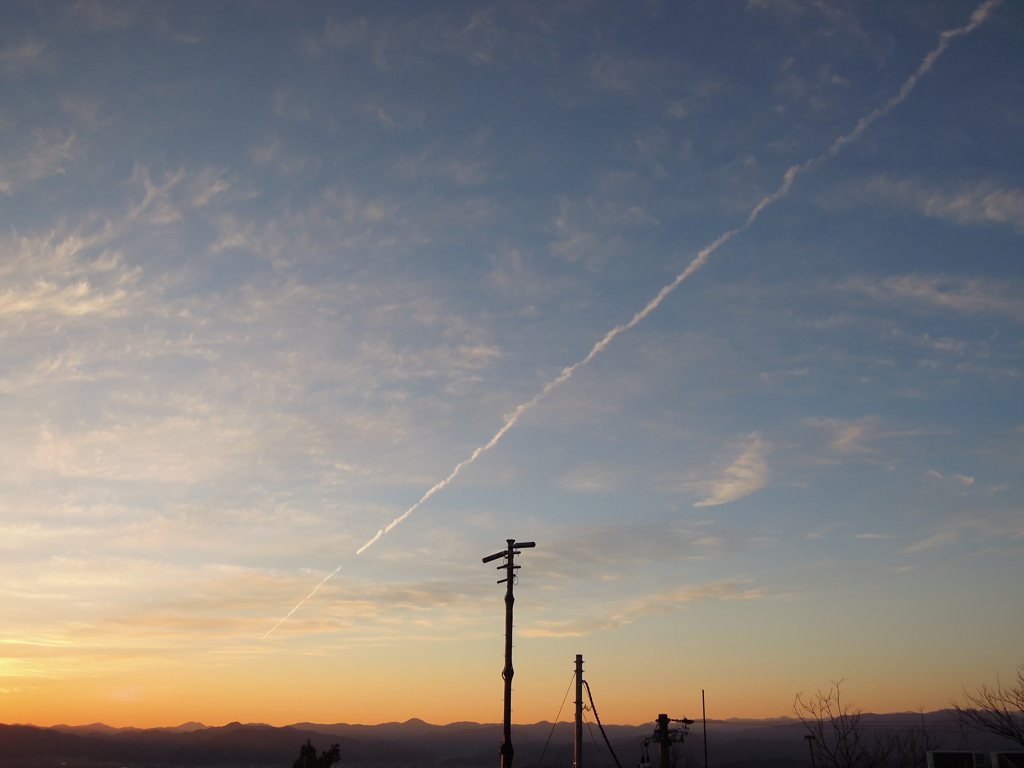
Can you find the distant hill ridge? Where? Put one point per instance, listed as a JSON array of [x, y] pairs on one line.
[[736, 743]]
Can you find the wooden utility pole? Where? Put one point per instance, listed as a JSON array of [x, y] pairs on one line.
[[510, 567], [665, 737], [577, 744], [665, 746]]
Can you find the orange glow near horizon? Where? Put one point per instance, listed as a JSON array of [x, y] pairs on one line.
[[440, 684]]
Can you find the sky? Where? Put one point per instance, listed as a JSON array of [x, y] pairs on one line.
[[720, 302]]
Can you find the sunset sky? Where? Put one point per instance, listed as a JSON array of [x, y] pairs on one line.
[[270, 271]]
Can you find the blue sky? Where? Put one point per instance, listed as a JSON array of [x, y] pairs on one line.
[[268, 274]]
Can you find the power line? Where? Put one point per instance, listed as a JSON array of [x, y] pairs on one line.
[[552, 733], [593, 709]]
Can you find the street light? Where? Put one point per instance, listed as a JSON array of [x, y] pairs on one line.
[[810, 744]]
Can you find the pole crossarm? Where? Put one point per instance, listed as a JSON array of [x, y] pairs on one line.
[[514, 548]]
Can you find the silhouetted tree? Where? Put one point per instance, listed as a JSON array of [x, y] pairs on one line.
[[910, 748], [308, 758], [683, 756], [841, 740], [996, 710]]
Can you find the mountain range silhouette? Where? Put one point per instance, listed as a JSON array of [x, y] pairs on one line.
[[735, 743]]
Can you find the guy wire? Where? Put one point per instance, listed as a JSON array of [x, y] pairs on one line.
[[593, 738], [552, 733]]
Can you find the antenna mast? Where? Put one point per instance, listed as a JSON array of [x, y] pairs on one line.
[[510, 567]]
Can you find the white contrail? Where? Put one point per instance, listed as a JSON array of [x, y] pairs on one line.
[[302, 601], [979, 15]]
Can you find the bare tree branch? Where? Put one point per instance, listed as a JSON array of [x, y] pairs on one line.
[[996, 710], [840, 740]]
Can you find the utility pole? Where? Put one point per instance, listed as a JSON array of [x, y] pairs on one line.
[[664, 737], [510, 567], [665, 746], [577, 744]]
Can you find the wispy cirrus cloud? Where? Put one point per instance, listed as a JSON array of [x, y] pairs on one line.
[[589, 230], [975, 529], [869, 437], [103, 16], [662, 603], [479, 36], [747, 473], [42, 156], [935, 541], [84, 303], [981, 296], [461, 169], [597, 552], [964, 479], [64, 275], [173, 449], [15, 59], [850, 435], [67, 300], [154, 604], [627, 73], [589, 478], [980, 202]]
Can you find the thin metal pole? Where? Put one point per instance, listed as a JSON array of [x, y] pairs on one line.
[[508, 672], [704, 717], [810, 745], [577, 752]]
